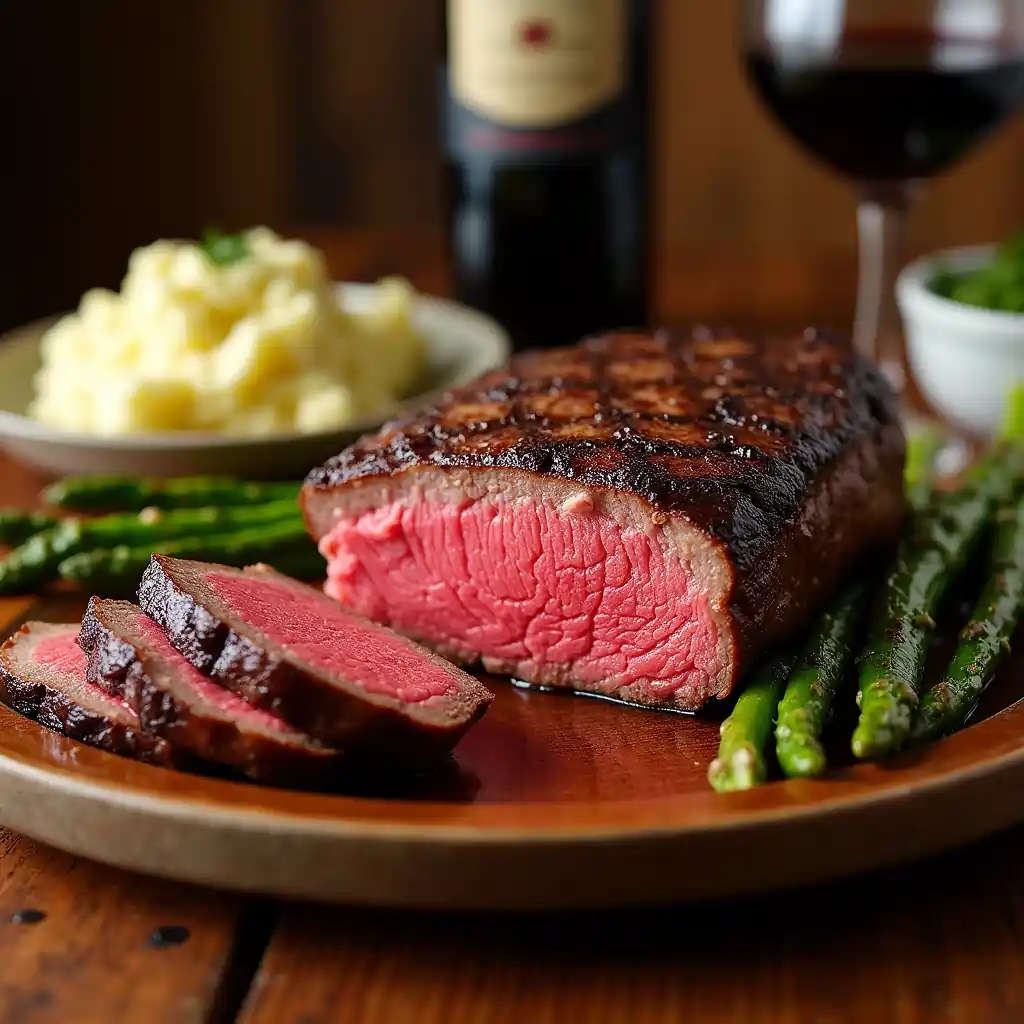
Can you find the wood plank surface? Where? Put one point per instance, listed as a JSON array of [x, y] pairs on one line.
[[94, 956], [938, 943], [163, 118]]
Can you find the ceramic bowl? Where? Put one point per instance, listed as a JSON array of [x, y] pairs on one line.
[[965, 359], [461, 344]]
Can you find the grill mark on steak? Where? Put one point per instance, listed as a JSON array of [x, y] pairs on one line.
[[59, 697], [726, 431]]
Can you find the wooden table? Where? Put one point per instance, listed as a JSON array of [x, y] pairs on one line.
[[942, 941]]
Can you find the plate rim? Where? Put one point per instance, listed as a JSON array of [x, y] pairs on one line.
[[873, 784], [430, 866]]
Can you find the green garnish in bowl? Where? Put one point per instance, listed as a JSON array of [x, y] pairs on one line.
[[999, 285], [223, 250]]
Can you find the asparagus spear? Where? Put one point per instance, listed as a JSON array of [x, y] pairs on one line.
[[120, 568], [828, 656], [984, 643], [35, 562], [929, 559], [16, 526], [740, 763], [30, 565], [825, 663], [919, 470], [89, 493], [138, 528]]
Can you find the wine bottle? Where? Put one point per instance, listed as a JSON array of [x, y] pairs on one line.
[[546, 108]]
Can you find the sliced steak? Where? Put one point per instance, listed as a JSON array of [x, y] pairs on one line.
[[129, 655], [42, 670], [641, 515], [285, 647]]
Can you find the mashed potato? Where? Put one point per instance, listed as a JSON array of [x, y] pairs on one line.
[[254, 344]]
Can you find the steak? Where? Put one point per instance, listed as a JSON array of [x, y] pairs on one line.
[[641, 515], [130, 656], [42, 670], [285, 647]]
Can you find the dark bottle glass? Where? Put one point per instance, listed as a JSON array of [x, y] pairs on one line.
[[546, 118]]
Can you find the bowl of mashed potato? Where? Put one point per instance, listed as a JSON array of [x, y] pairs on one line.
[[236, 354]]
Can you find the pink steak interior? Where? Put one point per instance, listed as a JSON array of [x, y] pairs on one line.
[[334, 640], [206, 690], [530, 586], [60, 651]]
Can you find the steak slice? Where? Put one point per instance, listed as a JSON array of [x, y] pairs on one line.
[[285, 647], [129, 655], [641, 515], [42, 670]]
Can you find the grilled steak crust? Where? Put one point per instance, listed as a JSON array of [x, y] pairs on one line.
[[66, 706], [730, 432], [784, 452], [218, 641], [124, 663]]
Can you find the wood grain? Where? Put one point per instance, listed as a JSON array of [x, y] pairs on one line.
[[19, 485], [161, 119], [90, 958], [740, 289], [939, 943]]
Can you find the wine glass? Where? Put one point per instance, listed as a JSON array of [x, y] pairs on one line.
[[889, 93]]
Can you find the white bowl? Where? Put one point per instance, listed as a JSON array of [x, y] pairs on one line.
[[965, 359], [461, 344]]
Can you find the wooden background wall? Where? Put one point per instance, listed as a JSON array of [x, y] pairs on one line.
[[123, 120]]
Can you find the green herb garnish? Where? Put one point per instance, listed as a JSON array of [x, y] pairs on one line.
[[999, 285], [223, 250]]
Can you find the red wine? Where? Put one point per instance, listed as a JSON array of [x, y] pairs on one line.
[[546, 126], [890, 106]]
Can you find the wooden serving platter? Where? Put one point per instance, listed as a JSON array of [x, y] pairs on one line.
[[553, 800]]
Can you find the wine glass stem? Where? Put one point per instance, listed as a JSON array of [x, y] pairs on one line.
[[881, 223]]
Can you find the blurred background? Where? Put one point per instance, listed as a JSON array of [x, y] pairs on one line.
[[125, 121]]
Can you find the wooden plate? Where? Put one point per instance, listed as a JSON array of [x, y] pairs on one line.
[[552, 801]]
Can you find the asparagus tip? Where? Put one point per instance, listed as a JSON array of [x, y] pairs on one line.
[[872, 739], [737, 772], [803, 758]]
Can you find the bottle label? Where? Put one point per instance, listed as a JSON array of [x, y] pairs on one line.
[[535, 77]]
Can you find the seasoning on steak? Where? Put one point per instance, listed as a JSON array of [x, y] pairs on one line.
[[285, 647], [641, 515], [42, 670], [129, 655]]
